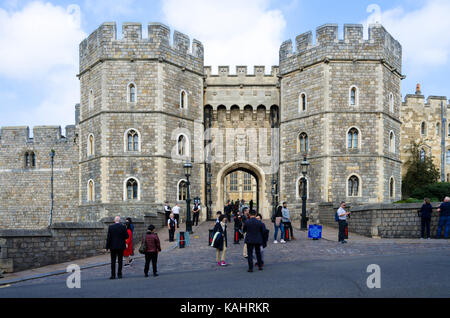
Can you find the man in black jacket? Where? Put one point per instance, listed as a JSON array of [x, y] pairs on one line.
[[115, 242], [254, 240]]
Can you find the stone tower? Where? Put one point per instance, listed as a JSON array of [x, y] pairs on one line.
[[138, 97], [340, 105]]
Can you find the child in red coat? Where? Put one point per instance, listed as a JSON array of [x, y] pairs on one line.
[[129, 244]]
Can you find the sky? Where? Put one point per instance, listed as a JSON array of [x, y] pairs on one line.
[[39, 41]]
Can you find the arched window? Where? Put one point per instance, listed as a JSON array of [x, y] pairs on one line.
[[301, 186], [91, 98], [438, 129], [392, 142], [132, 93], [132, 189], [183, 99], [422, 155], [353, 96], [30, 159], [233, 182], [182, 146], [353, 186], [423, 128], [90, 145], [448, 157], [132, 141], [391, 102], [352, 138], [182, 190], [302, 102], [303, 142], [90, 191], [391, 187]]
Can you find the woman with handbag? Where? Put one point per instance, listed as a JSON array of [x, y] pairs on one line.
[[150, 247], [278, 225], [220, 240]]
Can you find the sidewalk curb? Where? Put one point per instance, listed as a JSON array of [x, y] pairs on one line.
[[61, 272]]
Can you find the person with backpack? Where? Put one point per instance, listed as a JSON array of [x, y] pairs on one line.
[[220, 241], [341, 216], [278, 224], [152, 248], [425, 218], [171, 225]]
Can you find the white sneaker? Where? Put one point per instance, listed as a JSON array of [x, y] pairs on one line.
[[282, 241], [275, 242]]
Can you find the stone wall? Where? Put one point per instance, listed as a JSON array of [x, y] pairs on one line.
[[381, 220], [62, 242]]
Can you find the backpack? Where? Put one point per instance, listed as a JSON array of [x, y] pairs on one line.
[[336, 217]]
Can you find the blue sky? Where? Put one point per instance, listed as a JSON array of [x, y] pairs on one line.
[[39, 41]]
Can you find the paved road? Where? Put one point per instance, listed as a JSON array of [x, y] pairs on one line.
[[418, 275]]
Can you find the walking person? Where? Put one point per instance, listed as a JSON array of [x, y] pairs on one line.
[[245, 218], [444, 218], [171, 225], [130, 221], [115, 242], [153, 247], [425, 218], [278, 224], [128, 245], [167, 210], [195, 213], [265, 238], [342, 214], [286, 218], [221, 242], [176, 213], [254, 240]]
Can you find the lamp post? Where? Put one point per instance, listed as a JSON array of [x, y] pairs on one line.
[[52, 160], [273, 198], [305, 165], [187, 172]]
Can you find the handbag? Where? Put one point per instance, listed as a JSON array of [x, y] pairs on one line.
[[143, 247]]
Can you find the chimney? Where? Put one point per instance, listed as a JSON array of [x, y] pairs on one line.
[[418, 92]]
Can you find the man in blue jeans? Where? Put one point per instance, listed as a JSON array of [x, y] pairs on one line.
[[444, 218]]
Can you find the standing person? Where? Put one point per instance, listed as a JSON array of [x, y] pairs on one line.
[[444, 218], [425, 218], [254, 240], [176, 213], [171, 225], [218, 214], [243, 205], [195, 214], [265, 238], [251, 205], [221, 242], [342, 214], [278, 224], [245, 217], [237, 226], [128, 245], [128, 220], [153, 247], [227, 210], [167, 210], [115, 242], [286, 218]]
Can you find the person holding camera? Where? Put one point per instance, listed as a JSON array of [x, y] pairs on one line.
[[342, 214]]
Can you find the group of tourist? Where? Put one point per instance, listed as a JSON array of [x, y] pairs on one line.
[[119, 242], [425, 213]]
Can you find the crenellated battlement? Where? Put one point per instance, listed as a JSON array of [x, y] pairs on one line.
[[379, 46], [241, 71], [102, 44], [41, 134], [241, 78]]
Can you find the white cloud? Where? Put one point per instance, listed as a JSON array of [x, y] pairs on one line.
[[108, 9], [39, 47], [423, 33], [233, 32]]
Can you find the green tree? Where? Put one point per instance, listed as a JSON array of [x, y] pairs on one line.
[[420, 171]]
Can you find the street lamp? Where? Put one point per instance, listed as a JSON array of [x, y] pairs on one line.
[[52, 159], [187, 172], [305, 165], [274, 183]]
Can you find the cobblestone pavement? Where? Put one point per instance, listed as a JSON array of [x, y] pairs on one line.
[[200, 256]]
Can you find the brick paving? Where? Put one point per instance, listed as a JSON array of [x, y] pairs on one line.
[[200, 256]]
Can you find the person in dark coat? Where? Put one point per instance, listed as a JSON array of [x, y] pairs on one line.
[[265, 237], [228, 209], [425, 217], [221, 242], [153, 247], [115, 242], [444, 218], [254, 240]]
